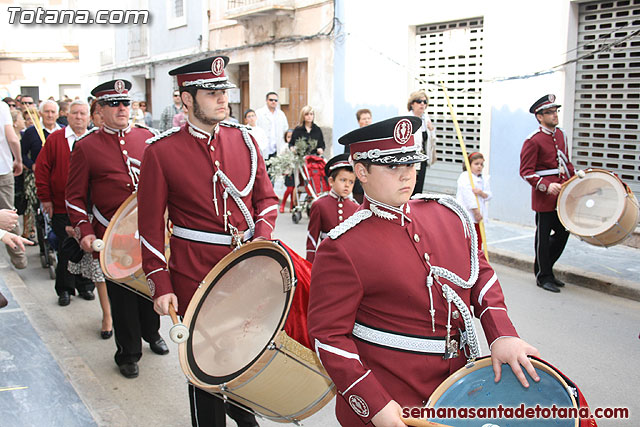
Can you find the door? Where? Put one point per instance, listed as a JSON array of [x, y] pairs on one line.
[[245, 101], [293, 76]]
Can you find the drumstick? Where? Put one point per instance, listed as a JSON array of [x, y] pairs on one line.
[[419, 422], [178, 332], [98, 245]]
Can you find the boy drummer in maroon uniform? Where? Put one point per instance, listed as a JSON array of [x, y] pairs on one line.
[[210, 176], [332, 208], [393, 286]]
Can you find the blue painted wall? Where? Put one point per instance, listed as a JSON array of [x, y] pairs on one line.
[[511, 194]]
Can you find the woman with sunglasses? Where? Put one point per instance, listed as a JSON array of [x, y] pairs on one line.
[[417, 106]]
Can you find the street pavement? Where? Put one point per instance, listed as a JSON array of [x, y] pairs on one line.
[[56, 371]]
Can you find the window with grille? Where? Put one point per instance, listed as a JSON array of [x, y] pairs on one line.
[[452, 52], [176, 13], [607, 105]]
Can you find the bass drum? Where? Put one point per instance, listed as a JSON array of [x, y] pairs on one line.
[[248, 338], [598, 207], [121, 259]]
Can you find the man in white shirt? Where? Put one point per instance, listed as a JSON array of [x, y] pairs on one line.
[[51, 171], [10, 167], [272, 120]]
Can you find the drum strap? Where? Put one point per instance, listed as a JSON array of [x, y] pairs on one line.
[[101, 219], [206, 236], [397, 341]]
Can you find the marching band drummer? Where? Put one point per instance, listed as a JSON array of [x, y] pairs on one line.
[[211, 177], [105, 163], [393, 286], [545, 165]]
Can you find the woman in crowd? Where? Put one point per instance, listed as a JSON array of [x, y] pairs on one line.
[[308, 130], [148, 119], [426, 136]]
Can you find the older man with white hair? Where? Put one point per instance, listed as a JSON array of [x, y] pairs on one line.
[[51, 171]]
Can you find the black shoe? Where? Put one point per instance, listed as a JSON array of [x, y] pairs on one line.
[[159, 347], [88, 295], [105, 335], [129, 370], [549, 286], [64, 298], [559, 283]]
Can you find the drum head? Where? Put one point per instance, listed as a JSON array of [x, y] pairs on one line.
[[474, 387], [122, 256], [244, 304], [591, 205]]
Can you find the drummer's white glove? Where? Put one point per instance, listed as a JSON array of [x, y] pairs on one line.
[[514, 351], [161, 304]]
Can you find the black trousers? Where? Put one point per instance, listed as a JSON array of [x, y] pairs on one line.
[[548, 247], [420, 178], [208, 410], [66, 281], [133, 318]]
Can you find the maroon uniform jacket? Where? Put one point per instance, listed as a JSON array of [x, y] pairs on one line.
[[544, 159], [374, 274], [326, 212], [105, 164], [52, 170], [178, 175]]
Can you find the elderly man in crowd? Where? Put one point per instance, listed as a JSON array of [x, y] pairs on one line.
[[52, 168]]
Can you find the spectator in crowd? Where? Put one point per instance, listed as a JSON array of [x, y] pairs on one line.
[[10, 102], [148, 119], [308, 131], [180, 118], [425, 137], [18, 122], [364, 117], [10, 166], [51, 171], [27, 120], [166, 119], [274, 123], [95, 115], [63, 113], [251, 119], [26, 102], [230, 117], [137, 115], [289, 180], [466, 196]]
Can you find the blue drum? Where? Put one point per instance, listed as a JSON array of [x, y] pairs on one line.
[[473, 388]]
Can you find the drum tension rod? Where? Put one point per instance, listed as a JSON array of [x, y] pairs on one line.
[[224, 397]]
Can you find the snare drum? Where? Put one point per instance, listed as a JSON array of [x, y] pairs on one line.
[[598, 208], [242, 344], [121, 259], [473, 386]]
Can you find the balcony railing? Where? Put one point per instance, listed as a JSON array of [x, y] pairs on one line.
[[245, 9]]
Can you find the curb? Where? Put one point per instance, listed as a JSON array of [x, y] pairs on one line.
[[598, 282]]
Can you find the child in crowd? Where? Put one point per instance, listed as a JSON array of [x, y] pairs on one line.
[[289, 180], [466, 196], [330, 209]]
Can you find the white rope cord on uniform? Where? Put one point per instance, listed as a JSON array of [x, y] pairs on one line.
[[349, 223], [232, 190]]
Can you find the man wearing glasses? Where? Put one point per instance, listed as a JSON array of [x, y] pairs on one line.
[[166, 119], [274, 123], [545, 165], [105, 163], [26, 102]]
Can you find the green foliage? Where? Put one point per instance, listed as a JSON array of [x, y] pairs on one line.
[[285, 163]]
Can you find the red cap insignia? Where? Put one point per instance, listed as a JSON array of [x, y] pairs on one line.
[[119, 86], [402, 131], [217, 66]]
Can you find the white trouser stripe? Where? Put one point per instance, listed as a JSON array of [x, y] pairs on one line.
[[269, 209], [356, 382], [153, 250], [486, 287]]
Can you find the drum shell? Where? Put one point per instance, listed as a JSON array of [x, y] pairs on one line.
[[612, 231], [286, 381], [126, 217]]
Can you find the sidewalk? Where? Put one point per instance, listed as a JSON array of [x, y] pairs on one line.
[[614, 270]]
